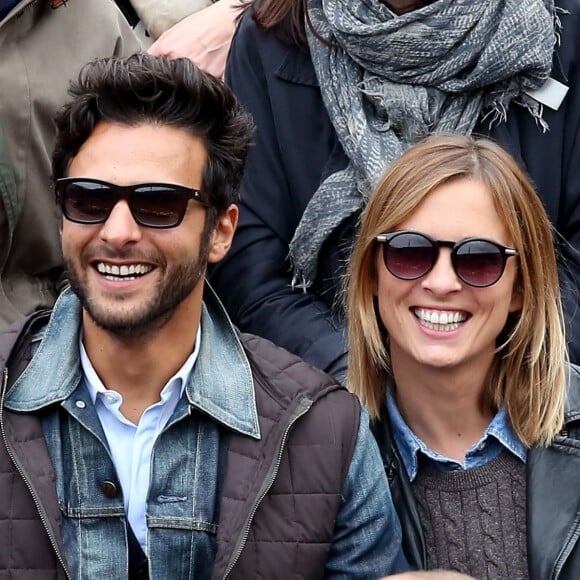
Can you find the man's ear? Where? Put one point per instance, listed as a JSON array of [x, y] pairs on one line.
[[223, 234]]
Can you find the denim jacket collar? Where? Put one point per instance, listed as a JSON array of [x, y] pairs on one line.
[[220, 384]]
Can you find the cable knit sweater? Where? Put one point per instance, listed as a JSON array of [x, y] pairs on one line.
[[474, 521]]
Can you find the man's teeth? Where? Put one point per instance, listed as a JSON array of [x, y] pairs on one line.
[[112, 271], [440, 320]]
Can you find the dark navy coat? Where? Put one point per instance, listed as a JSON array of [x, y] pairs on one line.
[[296, 147]]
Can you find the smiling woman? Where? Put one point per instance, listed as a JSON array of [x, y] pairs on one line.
[[464, 287], [458, 351], [338, 90]]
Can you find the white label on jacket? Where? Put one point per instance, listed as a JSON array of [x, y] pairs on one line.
[[551, 94]]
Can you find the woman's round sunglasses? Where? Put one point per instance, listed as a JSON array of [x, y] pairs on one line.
[[153, 205], [476, 261]]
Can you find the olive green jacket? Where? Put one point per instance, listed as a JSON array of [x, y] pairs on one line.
[[41, 49]]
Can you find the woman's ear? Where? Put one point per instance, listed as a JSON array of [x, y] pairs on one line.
[[517, 300]]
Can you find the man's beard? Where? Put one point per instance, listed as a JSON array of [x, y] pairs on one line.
[[175, 286]]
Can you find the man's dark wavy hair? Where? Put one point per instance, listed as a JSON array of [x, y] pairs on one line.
[[174, 92]]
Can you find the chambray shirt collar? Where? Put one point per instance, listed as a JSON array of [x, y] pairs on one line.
[[219, 385], [178, 381], [499, 435]]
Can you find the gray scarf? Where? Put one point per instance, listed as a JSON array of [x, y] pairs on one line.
[[389, 80]]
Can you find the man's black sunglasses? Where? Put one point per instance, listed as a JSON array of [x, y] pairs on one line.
[[477, 261], [154, 205]]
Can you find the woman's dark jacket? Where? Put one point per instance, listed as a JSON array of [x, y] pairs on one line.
[[296, 147], [552, 498]]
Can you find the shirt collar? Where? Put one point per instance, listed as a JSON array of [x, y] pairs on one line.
[[220, 383], [178, 381], [410, 446]]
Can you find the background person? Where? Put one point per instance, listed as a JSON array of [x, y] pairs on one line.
[[204, 36], [43, 44], [458, 352], [336, 102]]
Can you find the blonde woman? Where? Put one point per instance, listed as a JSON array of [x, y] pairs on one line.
[[457, 350]]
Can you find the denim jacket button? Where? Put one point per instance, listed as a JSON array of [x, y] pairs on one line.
[[109, 488]]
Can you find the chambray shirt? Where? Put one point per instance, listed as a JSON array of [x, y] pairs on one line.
[[131, 445], [498, 436]]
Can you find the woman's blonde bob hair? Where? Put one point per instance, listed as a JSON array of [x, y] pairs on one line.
[[529, 375]]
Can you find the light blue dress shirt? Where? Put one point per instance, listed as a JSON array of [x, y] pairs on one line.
[[131, 445], [498, 436]]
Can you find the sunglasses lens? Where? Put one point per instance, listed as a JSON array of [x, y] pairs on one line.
[[87, 202], [91, 202], [158, 206], [479, 263], [409, 256]]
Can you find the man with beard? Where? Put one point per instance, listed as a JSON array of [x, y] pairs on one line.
[[142, 436]]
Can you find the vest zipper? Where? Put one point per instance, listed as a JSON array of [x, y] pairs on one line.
[[302, 408], [20, 469]]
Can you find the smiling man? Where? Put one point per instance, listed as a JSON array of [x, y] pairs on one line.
[[142, 436]]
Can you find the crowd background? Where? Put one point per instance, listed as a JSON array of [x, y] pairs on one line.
[[33, 83], [339, 90], [322, 143]]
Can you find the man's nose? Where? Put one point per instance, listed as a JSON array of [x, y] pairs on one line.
[[120, 228]]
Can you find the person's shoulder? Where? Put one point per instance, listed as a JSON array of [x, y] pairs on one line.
[[248, 33], [274, 361], [287, 372], [251, 37], [16, 339], [247, 24], [288, 381]]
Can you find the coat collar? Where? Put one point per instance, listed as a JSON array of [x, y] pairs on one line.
[[296, 67], [220, 384], [553, 501]]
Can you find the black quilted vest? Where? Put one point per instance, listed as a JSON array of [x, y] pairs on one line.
[[281, 494]]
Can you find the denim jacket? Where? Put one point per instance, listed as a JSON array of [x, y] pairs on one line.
[[183, 500]]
